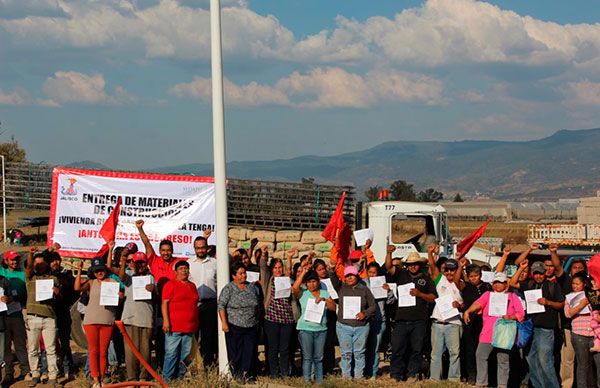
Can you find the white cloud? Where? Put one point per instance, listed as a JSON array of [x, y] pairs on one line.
[[440, 32], [251, 94], [325, 88], [77, 88], [20, 96], [582, 93]]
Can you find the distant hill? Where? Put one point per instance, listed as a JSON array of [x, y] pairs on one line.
[[88, 164], [566, 164]]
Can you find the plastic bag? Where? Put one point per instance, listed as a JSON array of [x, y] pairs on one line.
[[504, 334], [524, 332]]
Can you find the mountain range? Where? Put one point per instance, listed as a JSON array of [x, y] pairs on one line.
[[563, 165]]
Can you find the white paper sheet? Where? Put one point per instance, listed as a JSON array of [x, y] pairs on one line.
[[351, 307], [487, 276], [314, 311], [3, 306], [109, 294], [498, 304], [252, 276], [574, 298], [405, 299], [43, 289], [283, 287], [531, 297], [444, 306], [139, 284], [361, 236], [329, 286], [393, 287], [376, 285]]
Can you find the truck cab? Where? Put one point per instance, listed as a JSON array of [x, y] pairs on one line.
[[410, 226]]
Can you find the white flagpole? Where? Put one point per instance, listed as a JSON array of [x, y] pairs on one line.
[[219, 166]]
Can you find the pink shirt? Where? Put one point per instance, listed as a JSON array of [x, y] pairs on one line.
[[514, 308]]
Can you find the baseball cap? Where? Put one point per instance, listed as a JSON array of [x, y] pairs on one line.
[[140, 256], [350, 270], [9, 255], [131, 247], [538, 267], [451, 264], [500, 277]]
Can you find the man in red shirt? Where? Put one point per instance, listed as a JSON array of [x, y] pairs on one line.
[[180, 320], [161, 267]]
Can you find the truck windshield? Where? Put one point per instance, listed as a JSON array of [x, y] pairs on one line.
[[416, 230]]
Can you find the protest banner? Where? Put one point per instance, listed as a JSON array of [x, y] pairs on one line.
[[174, 207]]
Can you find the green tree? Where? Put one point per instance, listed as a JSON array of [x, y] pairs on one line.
[[430, 195], [372, 193], [12, 151], [458, 198], [402, 191]]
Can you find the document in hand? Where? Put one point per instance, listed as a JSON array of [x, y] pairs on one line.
[[361, 236], [405, 299], [314, 311], [3, 306], [109, 294], [498, 304], [329, 286], [376, 285], [139, 284], [283, 287], [487, 277], [531, 297], [43, 289], [351, 307], [444, 306], [252, 276], [574, 298]]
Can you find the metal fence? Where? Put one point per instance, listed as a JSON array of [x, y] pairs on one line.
[[252, 203]]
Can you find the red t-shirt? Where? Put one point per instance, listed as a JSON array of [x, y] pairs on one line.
[[162, 270], [183, 305]]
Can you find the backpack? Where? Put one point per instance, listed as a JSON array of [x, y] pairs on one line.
[[524, 332]]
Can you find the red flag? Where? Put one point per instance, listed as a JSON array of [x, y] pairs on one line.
[[109, 228], [467, 243], [593, 267], [336, 223]]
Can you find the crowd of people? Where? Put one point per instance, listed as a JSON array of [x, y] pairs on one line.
[[437, 317]]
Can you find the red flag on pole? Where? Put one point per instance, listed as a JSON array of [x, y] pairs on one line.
[[467, 243], [593, 267], [109, 228], [336, 223]]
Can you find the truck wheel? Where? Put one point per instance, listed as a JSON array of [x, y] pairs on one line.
[[77, 333]]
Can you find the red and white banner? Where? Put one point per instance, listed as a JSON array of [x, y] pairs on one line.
[[174, 207]]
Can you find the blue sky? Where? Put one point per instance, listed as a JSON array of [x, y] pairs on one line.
[[127, 82]]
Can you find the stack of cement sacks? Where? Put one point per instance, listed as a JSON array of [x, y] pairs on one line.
[[278, 243]]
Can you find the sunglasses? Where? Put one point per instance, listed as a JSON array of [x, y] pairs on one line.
[[449, 269]]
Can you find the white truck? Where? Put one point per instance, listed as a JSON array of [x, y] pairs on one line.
[[411, 226]]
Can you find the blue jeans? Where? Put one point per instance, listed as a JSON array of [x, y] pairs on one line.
[[313, 345], [445, 336], [541, 359], [177, 348], [353, 342], [376, 330]]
